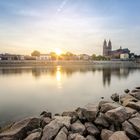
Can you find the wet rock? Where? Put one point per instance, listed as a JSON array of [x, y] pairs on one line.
[[101, 120], [62, 135], [78, 127], [126, 90], [136, 95], [92, 129], [72, 114], [117, 115], [125, 99], [65, 120], [46, 114], [136, 123], [105, 134], [90, 137], [19, 129], [115, 97], [108, 106], [91, 112], [51, 130], [34, 136], [45, 121], [134, 105], [119, 135], [130, 131]]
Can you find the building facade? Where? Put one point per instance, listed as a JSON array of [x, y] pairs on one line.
[[109, 53]]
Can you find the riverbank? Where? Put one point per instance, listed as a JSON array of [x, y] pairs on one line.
[[108, 120], [63, 63]]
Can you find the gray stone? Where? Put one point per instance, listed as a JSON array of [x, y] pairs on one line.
[[65, 120], [134, 105], [80, 113], [126, 98], [90, 137], [136, 123], [108, 106], [34, 136], [130, 111], [136, 95], [78, 127], [51, 130], [76, 136], [117, 115], [45, 121], [119, 135], [130, 131], [62, 135], [115, 97], [106, 134], [101, 120], [103, 102], [46, 114], [72, 114], [126, 90], [91, 112], [19, 129], [92, 129]]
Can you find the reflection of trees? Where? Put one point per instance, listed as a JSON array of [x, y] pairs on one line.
[[108, 71]]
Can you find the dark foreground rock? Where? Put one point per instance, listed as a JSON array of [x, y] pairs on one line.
[[109, 120]]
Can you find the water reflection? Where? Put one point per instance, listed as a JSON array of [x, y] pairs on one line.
[[59, 77], [59, 72]]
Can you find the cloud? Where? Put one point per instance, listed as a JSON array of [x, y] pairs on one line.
[[61, 7]]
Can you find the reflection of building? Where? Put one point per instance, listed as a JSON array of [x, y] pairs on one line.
[[108, 52]]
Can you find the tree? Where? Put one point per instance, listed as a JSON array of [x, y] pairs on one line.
[[93, 57], [35, 53]]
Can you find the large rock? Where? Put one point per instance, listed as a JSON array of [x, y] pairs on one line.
[[136, 95], [62, 135], [79, 137], [65, 120], [101, 120], [134, 105], [119, 135], [91, 112], [45, 121], [46, 114], [130, 131], [117, 115], [136, 123], [130, 111], [126, 98], [80, 113], [34, 136], [92, 129], [51, 130], [115, 97], [78, 127], [72, 114], [108, 106], [106, 134], [19, 129], [90, 137]]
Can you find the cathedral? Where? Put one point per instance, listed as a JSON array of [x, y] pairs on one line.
[[109, 53]]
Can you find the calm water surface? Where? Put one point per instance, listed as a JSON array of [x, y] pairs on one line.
[[28, 91]]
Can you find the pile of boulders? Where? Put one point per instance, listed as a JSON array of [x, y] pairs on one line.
[[109, 120]]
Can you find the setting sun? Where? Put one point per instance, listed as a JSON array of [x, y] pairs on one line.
[[58, 51]]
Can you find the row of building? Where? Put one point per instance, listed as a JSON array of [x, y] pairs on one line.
[[11, 57]]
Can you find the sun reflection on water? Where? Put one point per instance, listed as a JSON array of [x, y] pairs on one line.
[[59, 77]]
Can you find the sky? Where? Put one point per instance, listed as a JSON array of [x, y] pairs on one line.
[[79, 26]]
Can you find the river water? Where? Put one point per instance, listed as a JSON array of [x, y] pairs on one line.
[[27, 91]]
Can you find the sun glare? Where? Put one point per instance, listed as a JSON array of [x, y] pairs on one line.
[[58, 51]]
